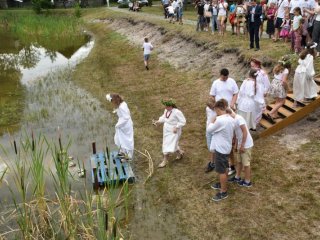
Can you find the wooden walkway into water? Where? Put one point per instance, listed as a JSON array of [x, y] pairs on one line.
[[288, 113]]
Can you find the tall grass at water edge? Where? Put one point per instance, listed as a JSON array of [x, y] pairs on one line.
[[64, 213], [52, 31]]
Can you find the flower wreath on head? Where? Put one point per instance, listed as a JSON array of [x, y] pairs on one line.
[[285, 61], [169, 103]]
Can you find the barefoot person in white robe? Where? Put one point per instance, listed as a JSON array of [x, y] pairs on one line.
[[304, 87], [123, 137], [173, 120], [263, 84]]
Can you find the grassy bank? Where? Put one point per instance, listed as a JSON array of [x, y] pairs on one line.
[[55, 30], [267, 211]]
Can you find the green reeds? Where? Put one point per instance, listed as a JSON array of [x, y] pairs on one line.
[[55, 32], [63, 213]]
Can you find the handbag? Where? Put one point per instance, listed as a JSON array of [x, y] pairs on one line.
[[208, 14]]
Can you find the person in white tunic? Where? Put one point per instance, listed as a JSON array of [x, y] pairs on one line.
[[263, 84], [246, 103], [123, 137], [173, 120], [304, 87]]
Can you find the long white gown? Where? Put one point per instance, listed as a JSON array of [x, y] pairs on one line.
[[246, 102], [263, 84], [123, 137], [303, 84], [176, 119]]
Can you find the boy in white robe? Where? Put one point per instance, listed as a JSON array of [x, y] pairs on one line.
[[173, 120], [123, 137]]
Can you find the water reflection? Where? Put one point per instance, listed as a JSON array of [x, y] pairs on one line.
[[23, 64]]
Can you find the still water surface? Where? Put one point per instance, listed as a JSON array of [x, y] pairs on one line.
[[38, 95]]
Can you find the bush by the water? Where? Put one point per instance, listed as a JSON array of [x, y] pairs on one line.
[[38, 5], [55, 32]]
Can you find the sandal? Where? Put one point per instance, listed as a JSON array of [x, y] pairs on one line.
[[180, 156], [270, 118]]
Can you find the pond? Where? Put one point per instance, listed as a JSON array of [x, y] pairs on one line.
[[39, 97]]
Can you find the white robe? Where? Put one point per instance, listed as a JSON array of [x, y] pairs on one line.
[[303, 84], [176, 119], [263, 84], [246, 103], [123, 137]]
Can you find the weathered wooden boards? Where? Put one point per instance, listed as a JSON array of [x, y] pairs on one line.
[[288, 113]]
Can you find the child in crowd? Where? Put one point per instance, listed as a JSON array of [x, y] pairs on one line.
[[211, 115], [246, 102], [271, 10], [244, 144], [296, 30], [263, 84], [285, 28], [171, 9], [304, 87], [279, 86], [222, 130]]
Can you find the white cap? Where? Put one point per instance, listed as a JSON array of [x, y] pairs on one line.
[[108, 97]]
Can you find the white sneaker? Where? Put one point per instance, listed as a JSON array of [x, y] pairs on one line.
[[163, 164], [231, 172]]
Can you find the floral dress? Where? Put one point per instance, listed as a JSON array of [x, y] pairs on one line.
[[276, 89]]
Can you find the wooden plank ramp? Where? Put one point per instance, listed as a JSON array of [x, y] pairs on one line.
[[110, 170], [288, 113]]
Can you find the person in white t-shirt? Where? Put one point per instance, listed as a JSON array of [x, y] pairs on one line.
[[226, 88], [211, 115], [244, 144], [222, 129], [147, 48], [222, 16], [171, 12], [283, 7]]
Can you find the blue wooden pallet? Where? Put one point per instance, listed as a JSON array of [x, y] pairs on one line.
[[110, 170]]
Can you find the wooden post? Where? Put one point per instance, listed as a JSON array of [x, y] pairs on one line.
[[94, 168], [94, 151]]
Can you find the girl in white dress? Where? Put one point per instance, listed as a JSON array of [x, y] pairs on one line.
[[246, 103], [173, 120], [279, 86], [263, 85], [304, 87], [123, 137]]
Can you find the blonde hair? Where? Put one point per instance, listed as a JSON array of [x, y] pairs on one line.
[[211, 102]]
